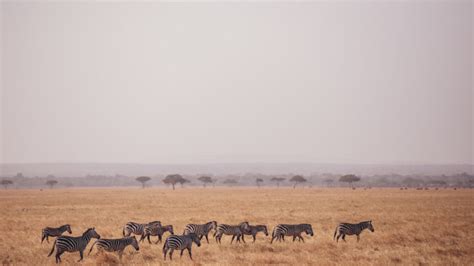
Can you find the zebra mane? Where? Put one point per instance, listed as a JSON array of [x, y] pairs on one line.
[[87, 231]]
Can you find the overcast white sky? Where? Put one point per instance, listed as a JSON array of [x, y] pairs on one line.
[[357, 82]]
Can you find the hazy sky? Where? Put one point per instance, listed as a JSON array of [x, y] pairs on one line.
[[357, 82]]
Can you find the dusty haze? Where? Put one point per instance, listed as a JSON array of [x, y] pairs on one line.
[[237, 82]]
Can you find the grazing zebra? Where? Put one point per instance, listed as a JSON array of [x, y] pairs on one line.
[[136, 228], [73, 244], [154, 230], [253, 230], [180, 243], [234, 230], [200, 229], [116, 245], [51, 231], [352, 229], [295, 230]]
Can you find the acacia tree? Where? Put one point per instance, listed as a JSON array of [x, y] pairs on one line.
[[205, 180], [297, 179], [258, 181], [349, 179], [182, 181], [278, 180], [51, 183], [230, 182], [173, 180], [5, 183], [143, 180]]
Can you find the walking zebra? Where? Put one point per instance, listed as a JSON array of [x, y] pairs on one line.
[[116, 245], [51, 231], [200, 229], [234, 230], [352, 229], [180, 243], [295, 230], [156, 230], [136, 228], [253, 230], [73, 244]]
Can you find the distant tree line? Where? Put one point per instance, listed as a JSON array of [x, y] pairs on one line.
[[256, 180]]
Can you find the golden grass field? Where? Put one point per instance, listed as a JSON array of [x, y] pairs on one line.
[[411, 227]]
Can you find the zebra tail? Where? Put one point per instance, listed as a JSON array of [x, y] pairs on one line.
[[92, 247], [335, 233], [52, 250], [123, 232]]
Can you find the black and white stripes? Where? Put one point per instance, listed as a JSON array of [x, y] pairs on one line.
[[116, 245], [236, 231], [200, 229], [52, 231], [295, 230], [174, 242], [137, 228], [352, 229], [156, 230], [73, 244]]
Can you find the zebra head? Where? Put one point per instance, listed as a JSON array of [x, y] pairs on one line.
[[68, 228], [309, 230], [370, 226], [195, 239], [169, 228], [135, 243], [212, 225], [91, 233], [244, 226], [263, 228]]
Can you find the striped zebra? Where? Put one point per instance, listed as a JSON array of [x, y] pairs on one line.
[[116, 245], [233, 230], [73, 244], [352, 229], [180, 243], [136, 228], [200, 229], [253, 230], [154, 230], [295, 230], [53, 232]]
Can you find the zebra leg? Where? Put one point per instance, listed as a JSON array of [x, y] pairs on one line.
[[171, 254], [58, 256], [120, 254], [81, 253], [301, 238], [358, 238], [181, 254], [232, 239], [159, 238], [344, 238], [294, 237], [337, 239], [243, 239], [165, 250], [254, 237], [47, 239], [207, 239], [43, 237], [190, 255]]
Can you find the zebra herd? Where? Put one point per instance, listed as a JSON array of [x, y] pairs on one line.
[[193, 233]]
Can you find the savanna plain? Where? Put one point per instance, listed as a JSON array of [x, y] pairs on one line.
[[433, 227]]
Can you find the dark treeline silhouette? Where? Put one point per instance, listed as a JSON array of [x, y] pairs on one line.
[[250, 180]]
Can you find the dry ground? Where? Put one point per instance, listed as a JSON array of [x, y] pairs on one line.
[[411, 227]]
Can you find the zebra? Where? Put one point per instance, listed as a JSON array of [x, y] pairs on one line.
[[253, 230], [180, 243], [153, 230], [234, 230], [116, 245], [200, 229], [73, 244], [352, 229], [136, 228], [295, 230], [51, 231]]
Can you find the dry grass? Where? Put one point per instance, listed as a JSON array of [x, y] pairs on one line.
[[411, 227]]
